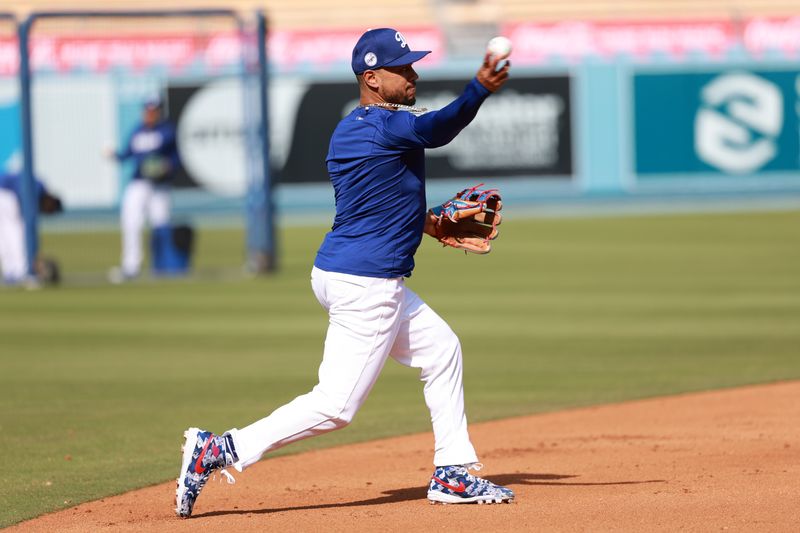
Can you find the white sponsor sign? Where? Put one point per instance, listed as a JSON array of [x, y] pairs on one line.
[[513, 130], [211, 132], [211, 138]]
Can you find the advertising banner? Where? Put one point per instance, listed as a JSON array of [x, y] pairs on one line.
[[320, 49], [209, 121], [536, 42], [524, 130], [725, 121], [179, 51]]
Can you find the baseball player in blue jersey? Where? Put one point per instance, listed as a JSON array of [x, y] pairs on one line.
[[377, 167], [153, 150], [14, 264]]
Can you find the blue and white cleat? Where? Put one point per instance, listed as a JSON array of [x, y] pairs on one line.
[[203, 453], [454, 484]]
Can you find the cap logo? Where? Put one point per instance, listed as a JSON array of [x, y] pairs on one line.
[[370, 59], [400, 39]]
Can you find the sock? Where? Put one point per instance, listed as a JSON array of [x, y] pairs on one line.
[[230, 449]]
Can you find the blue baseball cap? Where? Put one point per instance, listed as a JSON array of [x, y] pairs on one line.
[[384, 47], [154, 102]]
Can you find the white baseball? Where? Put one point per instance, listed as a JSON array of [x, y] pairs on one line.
[[499, 47]]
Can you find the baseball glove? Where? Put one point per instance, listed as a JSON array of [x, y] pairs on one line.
[[467, 221], [155, 168]]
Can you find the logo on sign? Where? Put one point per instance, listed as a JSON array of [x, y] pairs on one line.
[[211, 138], [740, 119]]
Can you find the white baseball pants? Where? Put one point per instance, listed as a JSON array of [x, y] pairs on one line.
[[370, 320], [141, 202], [13, 254]]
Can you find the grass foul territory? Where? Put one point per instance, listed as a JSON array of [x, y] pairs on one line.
[[99, 381]]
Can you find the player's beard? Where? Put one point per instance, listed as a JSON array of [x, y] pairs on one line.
[[401, 97], [410, 100]]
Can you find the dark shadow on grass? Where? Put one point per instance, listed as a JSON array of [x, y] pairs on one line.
[[418, 493]]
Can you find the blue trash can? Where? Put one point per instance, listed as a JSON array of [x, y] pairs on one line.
[[171, 250]]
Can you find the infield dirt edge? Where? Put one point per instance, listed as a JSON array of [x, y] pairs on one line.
[[718, 460]]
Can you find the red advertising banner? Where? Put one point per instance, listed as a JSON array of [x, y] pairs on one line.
[[536, 42], [9, 56], [763, 34], [533, 43], [99, 53], [334, 47], [287, 49]]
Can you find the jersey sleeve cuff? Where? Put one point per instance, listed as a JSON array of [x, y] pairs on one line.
[[482, 91]]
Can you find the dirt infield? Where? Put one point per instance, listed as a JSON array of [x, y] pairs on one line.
[[725, 460]]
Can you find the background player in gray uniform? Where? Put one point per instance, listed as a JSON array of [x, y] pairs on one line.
[[377, 167]]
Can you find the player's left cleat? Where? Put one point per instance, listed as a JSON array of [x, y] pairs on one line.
[[117, 276], [203, 453], [454, 484]]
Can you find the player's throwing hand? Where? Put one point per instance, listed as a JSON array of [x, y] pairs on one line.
[[489, 76]]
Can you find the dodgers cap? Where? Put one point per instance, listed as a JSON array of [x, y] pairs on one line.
[[383, 47], [154, 102]]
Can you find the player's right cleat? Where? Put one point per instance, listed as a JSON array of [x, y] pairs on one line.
[[203, 453], [454, 484]]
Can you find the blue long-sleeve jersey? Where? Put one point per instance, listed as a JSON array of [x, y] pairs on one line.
[[158, 140], [13, 183], [376, 163]]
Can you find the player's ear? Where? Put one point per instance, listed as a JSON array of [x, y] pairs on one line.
[[371, 79]]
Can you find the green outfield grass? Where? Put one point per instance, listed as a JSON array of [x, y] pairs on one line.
[[98, 382]]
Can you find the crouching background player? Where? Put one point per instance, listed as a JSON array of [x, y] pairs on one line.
[[14, 264]]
